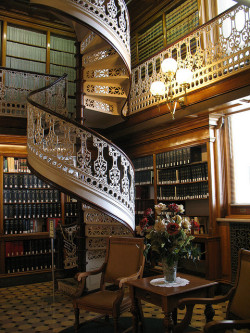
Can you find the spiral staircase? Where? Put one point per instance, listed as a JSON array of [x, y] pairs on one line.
[[73, 156]]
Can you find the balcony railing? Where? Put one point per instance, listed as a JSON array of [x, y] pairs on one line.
[[15, 85], [214, 51]]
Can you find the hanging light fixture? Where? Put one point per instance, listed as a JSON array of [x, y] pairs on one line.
[[160, 89]]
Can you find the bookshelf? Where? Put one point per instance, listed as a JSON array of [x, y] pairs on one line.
[[63, 60], [27, 205], [181, 176], [144, 185], [33, 56]]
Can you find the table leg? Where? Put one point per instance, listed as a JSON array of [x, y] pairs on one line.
[[136, 312], [209, 313], [168, 322]]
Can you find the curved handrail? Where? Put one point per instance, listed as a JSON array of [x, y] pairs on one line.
[[108, 17], [76, 157]]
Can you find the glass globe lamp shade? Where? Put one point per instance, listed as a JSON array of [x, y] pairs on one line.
[[184, 76], [169, 65], [157, 88]]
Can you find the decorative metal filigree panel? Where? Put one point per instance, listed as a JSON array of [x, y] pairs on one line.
[[239, 239], [214, 52], [106, 230]]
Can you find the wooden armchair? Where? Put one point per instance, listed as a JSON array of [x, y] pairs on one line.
[[124, 261], [238, 309]]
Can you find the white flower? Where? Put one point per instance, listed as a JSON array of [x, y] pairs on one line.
[[159, 208], [186, 225], [160, 225], [181, 209]]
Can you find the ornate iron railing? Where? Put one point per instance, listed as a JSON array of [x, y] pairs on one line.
[[77, 158], [214, 51], [15, 85], [109, 17]]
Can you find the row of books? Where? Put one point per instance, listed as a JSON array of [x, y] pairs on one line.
[[71, 209], [28, 263], [143, 163], [31, 196], [23, 226], [28, 211], [194, 173], [183, 192], [15, 164], [145, 177], [27, 247], [70, 219], [144, 192], [173, 158], [142, 205], [17, 181]]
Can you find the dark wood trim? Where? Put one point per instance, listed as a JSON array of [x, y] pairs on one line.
[[4, 43], [28, 21]]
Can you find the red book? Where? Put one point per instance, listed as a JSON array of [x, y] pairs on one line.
[[8, 249]]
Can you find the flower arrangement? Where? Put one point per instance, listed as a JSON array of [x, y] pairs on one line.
[[169, 238]]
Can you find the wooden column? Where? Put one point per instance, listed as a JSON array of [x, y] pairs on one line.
[[4, 43], [79, 87], [48, 53]]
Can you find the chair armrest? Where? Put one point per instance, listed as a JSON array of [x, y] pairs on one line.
[[215, 300], [82, 275], [191, 302], [123, 280], [223, 325]]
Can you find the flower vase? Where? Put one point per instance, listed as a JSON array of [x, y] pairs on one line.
[[169, 271]]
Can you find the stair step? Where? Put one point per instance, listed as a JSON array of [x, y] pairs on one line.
[[91, 43]]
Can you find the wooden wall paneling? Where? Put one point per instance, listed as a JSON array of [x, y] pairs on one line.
[[173, 136], [225, 252], [213, 260]]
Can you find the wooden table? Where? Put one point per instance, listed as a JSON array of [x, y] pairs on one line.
[[167, 298]]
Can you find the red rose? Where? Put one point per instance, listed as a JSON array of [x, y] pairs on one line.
[[143, 222], [148, 212], [173, 208], [173, 228]]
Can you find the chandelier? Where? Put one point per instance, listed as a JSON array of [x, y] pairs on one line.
[[160, 89]]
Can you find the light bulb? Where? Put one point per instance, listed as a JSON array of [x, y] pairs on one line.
[[169, 65], [184, 75], [157, 88]]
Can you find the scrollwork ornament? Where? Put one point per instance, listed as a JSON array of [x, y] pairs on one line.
[[39, 131], [112, 10], [51, 139], [100, 164], [125, 180], [114, 172], [84, 155]]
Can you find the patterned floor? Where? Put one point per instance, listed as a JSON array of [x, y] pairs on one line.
[[30, 309]]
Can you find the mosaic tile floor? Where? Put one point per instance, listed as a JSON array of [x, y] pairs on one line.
[[30, 309]]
